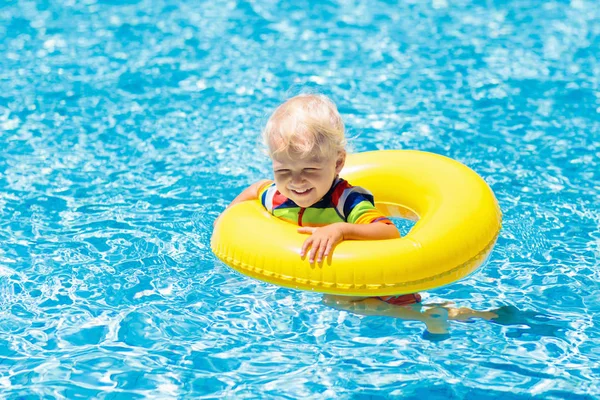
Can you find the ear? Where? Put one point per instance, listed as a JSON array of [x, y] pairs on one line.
[[341, 160]]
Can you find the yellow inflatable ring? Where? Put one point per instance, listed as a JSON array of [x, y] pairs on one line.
[[458, 221]]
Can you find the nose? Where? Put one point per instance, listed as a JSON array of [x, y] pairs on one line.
[[297, 177]]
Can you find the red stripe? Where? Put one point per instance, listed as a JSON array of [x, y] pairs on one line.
[[337, 192], [300, 214], [278, 199]]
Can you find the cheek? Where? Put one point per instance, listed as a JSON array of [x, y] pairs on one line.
[[280, 183]]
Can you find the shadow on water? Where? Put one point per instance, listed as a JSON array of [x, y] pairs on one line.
[[525, 322], [437, 317]]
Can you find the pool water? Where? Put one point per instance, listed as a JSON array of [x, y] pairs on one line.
[[126, 127]]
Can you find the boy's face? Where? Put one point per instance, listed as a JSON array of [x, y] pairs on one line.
[[305, 180]]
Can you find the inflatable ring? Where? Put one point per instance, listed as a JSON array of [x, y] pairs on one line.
[[458, 221]]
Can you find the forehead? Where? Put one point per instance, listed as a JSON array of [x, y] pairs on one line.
[[291, 158]]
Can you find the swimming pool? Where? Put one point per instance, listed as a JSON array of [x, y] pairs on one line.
[[127, 126]]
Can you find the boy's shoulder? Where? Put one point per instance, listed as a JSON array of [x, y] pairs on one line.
[[271, 198], [344, 191], [339, 187]]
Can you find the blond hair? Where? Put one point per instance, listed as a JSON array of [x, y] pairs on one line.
[[306, 125]]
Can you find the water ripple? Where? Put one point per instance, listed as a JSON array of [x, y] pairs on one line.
[[126, 128]]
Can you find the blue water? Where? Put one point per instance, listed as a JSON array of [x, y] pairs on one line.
[[127, 126]]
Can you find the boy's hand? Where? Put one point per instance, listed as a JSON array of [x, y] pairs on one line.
[[322, 240]]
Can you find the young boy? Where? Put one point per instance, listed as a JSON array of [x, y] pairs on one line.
[[306, 142]]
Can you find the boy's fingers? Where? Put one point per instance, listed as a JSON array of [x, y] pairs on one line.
[[313, 250], [329, 248], [322, 250], [305, 245], [307, 229]]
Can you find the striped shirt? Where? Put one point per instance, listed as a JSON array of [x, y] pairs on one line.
[[343, 203]]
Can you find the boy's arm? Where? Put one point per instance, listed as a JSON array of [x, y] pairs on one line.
[[324, 239], [373, 231]]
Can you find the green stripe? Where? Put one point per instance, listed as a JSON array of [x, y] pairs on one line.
[[359, 210], [321, 216], [290, 214], [312, 216]]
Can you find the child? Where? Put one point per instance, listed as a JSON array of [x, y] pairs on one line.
[[306, 143]]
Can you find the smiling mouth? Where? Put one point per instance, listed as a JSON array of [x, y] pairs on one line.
[[301, 192]]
